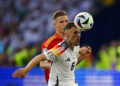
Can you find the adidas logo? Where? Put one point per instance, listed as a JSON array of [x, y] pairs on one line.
[[68, 59]]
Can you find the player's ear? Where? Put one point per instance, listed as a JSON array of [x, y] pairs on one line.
[[54, 23], [66, 33]]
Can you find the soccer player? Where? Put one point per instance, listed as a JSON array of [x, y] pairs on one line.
[[64, 57], [60, 19]]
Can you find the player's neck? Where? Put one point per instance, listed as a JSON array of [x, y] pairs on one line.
[[60, 34]]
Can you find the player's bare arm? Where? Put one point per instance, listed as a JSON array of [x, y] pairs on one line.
[[45, 65], [20, 73], [84, 53]]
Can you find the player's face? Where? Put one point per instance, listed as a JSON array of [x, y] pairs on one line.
[[74, 36], [60, 23]]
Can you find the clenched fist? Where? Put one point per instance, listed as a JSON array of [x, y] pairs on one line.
[[20, 73], [85, 51]]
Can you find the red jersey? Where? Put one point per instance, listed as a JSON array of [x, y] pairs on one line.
[[48, 44]]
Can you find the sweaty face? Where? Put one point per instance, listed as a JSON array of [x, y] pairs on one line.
[[60, 23], [74, 36]]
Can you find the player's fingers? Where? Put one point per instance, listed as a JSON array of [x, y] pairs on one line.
[[19, 75], [19, 70], [87, 46], [89, 52], [15, 75]]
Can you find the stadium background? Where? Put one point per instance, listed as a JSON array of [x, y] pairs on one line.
[[25, 24]]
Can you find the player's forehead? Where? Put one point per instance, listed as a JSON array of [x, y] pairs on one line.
[[74, 29], [62, 18]]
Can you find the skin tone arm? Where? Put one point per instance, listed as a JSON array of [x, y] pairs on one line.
[[20, 73], [84, 53], [45, 65]]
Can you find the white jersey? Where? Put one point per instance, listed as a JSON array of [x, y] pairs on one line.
[[63, 64]]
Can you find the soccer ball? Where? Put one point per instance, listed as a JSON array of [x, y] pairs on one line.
[[84, 21]]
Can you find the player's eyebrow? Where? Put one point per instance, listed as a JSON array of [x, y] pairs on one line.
[[75, 32], [63, 21], [66, 20]]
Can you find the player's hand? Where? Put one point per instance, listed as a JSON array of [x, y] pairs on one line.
[[20, 73], [85, 51]]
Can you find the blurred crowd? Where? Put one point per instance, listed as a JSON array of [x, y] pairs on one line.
[[109, 56], [25, 24]]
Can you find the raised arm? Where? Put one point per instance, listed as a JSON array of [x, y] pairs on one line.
[[20, 73], [84, 53]]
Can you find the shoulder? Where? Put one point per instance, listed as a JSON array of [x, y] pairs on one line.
[[48, 41], [51, 42]]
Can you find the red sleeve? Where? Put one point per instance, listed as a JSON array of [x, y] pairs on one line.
[[50, 44], [43, 46]]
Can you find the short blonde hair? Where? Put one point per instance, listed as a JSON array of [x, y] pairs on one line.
[[59, 13]]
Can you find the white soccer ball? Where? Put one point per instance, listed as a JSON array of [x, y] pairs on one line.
[[84, 21]]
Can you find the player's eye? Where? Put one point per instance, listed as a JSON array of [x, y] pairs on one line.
[[61, 21], [75, 32], [66, 20]]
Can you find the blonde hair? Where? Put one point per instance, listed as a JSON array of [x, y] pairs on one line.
[[58, 13]]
